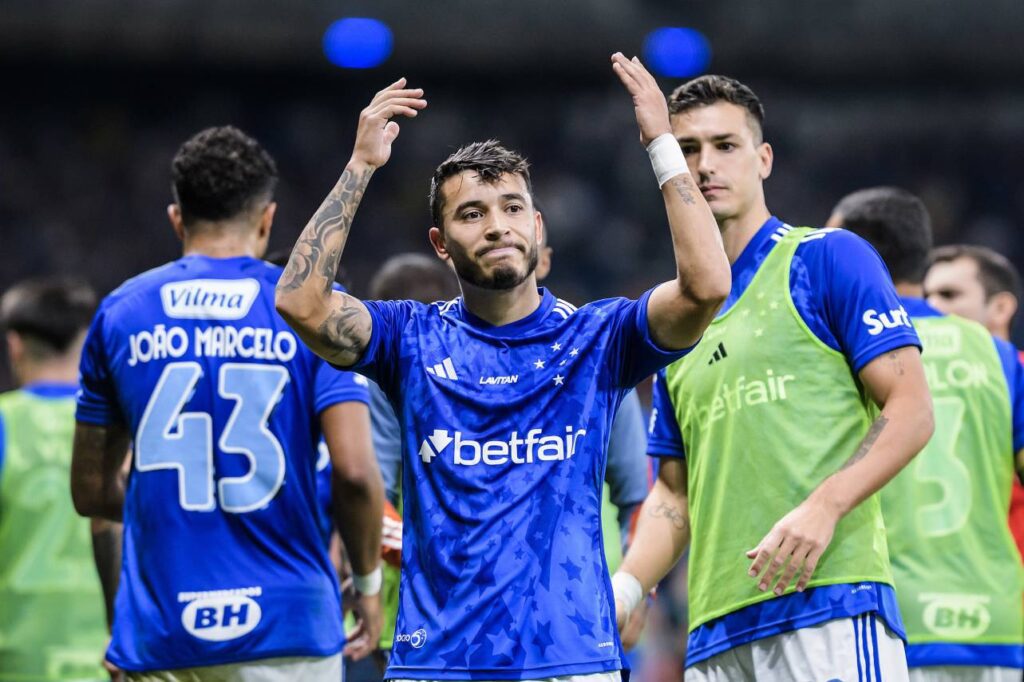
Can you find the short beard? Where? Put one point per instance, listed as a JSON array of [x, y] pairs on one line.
[[503, 277]]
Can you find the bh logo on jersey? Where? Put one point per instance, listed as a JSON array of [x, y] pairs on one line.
[[515, 449], [956, 616], [221, 615], [416, 639]]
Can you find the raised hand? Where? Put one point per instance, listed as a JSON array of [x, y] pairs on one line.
[[376, 130], [648, 100]]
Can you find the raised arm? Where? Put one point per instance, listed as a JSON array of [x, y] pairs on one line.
[[337, 326], [896, 382], [678, 311]]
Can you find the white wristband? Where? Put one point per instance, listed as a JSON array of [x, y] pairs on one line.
[[369, 584], [628, 591], [666, 158]]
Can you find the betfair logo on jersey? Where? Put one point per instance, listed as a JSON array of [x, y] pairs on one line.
[[516, 449], [956, 616], [878, 322], [743, 393], [221, 615], [209, 299]]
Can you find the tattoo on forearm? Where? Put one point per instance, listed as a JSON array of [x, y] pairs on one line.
[[872, 435], [342, 329], [331, 223], [666, 511], [683, 185]]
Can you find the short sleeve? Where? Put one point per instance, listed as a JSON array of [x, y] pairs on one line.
[[636, 355], [380, 358], [626, 473], [1014, 372], [858, 301], [664, 437], [97, 399], [333, 386]]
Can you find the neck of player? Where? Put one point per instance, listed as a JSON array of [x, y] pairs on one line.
[[57, 370], [224, 242], [738, 230], [502, 306]]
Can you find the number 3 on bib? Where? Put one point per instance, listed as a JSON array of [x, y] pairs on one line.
[[938, 464], [171, 439]]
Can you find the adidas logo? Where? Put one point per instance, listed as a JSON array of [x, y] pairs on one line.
[[444, 369], [719, 354]]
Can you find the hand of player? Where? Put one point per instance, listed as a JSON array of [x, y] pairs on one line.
[[648, 100], [794, 544], [376, 130], [630, 635], [366, 635], [116, 674]]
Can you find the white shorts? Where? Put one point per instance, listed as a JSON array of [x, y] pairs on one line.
[[591, 677], [859, 649], [965, 673], [265, 670]]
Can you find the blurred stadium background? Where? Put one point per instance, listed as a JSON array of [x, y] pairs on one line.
[[98, 95]]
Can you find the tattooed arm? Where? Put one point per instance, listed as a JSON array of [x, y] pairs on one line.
[[99, 469], [679, 311], [337, 326], [662, 529], [896, 382]]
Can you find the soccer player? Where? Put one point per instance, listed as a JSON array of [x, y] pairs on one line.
[[977, 283], [770, 449], [959, 579], [52, 624], [505, 397], [225, 575]]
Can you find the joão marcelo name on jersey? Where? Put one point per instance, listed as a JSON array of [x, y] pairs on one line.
[[505, 431]]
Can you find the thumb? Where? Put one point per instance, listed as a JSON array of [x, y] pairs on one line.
[[391, 131], [751, 553]]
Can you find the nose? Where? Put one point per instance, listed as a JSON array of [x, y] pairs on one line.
[[496, 227], [705, 162]]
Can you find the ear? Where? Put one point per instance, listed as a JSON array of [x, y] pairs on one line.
[[15, 347], [767, 157], [174, 215], [437, 241], [267, 219], [1001, 309]]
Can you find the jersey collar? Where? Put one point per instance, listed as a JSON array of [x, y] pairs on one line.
[[547, 301], [50, 389]]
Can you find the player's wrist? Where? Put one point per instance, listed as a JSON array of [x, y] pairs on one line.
[[666, 158], [368, 585], [358, 165], [628, 591]]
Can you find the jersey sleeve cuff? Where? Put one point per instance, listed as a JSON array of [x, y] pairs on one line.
[[883, 346], [661, 449], [355, 394]]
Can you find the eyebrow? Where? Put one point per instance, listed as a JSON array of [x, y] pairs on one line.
[[476, 203], [714, 138]]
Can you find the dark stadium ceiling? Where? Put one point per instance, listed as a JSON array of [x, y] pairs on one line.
[[800, 38]]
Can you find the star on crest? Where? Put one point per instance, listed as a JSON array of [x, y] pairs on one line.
[[559, 380], [574, 352], [556, 346], [539, 364]]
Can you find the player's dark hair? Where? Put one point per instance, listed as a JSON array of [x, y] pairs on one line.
[[995, 272], [711, 89], [896, 223], [416, 277], [220, 173], [489, 159], [48, 312]]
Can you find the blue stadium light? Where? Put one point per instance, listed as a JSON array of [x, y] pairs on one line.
[[677, 52], [357, 43]]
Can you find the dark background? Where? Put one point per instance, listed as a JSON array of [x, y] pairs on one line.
[[97, 95]]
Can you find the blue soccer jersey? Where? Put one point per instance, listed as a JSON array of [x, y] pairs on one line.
[[223, 560], [505, 431]]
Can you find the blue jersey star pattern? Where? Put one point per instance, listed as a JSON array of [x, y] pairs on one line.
[[505, 433], [223, 560]]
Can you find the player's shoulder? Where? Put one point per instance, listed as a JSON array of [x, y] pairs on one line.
[[833, 242], [833, 255], [140, 285]]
